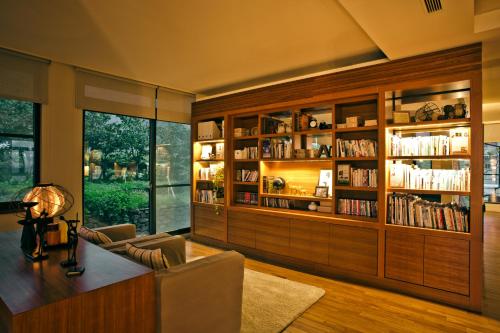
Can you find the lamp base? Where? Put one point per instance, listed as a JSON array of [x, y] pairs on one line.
[[75, 271]]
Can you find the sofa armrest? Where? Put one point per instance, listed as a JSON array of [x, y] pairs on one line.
[[201, 296], [118, 232]]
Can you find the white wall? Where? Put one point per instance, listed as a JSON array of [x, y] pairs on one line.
[[61, 140]]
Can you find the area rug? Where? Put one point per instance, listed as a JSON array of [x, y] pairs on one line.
[[271, 303]]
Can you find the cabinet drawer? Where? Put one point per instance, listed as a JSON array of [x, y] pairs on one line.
[[210, 222], [309, 240], [446, 264], [272, 234], [241, 228], [354, 249], [404, 257]]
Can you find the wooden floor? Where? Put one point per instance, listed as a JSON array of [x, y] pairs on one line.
[[349, 307]]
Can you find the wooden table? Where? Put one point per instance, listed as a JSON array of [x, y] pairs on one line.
[[113, 295]]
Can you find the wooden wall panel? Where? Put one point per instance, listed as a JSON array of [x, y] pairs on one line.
[[404, 257], [446, 264], [273, 234], [457, 60], [354, 249], [241, 228], [207, 223], [309, 240]]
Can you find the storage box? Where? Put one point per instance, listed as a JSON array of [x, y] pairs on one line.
[[355, 121], [371, 122], [208, 130]]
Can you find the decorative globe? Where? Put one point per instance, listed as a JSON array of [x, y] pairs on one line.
[[52, 200]]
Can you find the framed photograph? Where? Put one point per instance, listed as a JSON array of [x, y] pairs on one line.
[[326, 180], [321, 191], [344, 174], [401, 117]]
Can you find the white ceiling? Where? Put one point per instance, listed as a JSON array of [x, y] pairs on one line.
[[216, 46]]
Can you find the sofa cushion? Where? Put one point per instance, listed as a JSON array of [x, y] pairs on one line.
[[119, 246], [93, 236], [151, 258]]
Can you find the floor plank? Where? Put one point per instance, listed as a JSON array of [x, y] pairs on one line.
[[348, 307]]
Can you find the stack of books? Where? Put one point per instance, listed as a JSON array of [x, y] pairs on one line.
[[277, 149], [246, 153], [364, 177], [411, 210], [243, 175], [437, 145], [412, 177], [247, 198], [206, 196], [357, 207], [356, 148]]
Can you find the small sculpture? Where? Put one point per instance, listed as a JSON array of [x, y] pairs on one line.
[[71, 262]]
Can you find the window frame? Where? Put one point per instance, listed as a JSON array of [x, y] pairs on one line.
[[9, 206]]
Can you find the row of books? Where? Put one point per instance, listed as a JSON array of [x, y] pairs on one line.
[[364, 177], [411, 210], [208, 173], [412, 177], [206, 196], [277, 148], [246, 153], [277, 203], [356, 148], [244, 175], [357, 207], [420, 145], [247, 198]]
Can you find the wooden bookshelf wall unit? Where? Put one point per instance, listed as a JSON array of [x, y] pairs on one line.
[[382, 171]]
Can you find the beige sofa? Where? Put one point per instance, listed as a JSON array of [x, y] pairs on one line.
[[201, 296]]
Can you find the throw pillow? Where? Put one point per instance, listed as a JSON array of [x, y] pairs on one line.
[[93, 236], [151, 258]]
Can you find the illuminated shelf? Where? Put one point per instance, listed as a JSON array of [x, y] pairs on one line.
[[356, 188], [209, 141], [430, 124], [315, 159], [407, 190], [356, 129], [327, 131], [370, 158], [293, 197], [440, 157], [213, 160]]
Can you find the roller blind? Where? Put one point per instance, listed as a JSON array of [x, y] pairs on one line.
[[105, 93], [174, 106], [23, 77]]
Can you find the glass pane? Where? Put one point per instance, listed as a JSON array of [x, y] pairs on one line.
[[16, 166], [116, 170], [173, 154], [173, 208], [16, 117]]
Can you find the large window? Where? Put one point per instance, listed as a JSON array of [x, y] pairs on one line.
[[118, 179], [19, 148], [173, 176], [491, 172]]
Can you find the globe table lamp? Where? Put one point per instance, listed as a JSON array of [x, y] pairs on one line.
[[41, 203]]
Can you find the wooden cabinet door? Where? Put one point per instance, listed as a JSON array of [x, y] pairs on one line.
[[241, 228], [404, 257], [446, 264], [354, 249], [309, 240], [210, 222], [272, 234]]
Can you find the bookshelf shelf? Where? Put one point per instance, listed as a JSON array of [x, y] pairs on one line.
[[355, 158], [430, 124], [293, 197], [445, 157], [275, 135], [356, 217], [405, 190], [208, 161], [356, 188], [428, 231], [245, 160], [209, 141], [248, 137], [315, 132], [245, 183], [312, 159], [356, 129]]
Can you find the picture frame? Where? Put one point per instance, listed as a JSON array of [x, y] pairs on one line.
[[344, 174], [321, 191], [401, 117], [326, 179]]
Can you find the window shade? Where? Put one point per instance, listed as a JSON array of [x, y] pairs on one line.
[[23, 77], [105, 93], [174, 106]]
